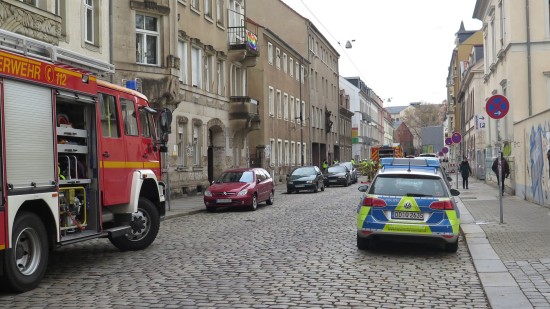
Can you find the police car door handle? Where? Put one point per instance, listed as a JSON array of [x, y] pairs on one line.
[[106, 154]]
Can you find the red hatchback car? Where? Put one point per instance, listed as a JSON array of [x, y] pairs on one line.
[[240, 187]]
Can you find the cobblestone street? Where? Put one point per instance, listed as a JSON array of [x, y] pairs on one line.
[[301, 252]]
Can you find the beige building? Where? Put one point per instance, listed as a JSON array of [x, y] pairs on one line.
[[517, 58], [471, 97], [457, 114], [79, 28], [321, 98], [280, 84], [192, 57]]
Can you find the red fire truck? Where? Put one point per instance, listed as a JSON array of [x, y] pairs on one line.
[[80, 158]]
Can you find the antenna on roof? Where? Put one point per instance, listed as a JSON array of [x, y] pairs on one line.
[[409, 165]]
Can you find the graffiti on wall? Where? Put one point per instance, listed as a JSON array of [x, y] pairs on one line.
[[537, 154]]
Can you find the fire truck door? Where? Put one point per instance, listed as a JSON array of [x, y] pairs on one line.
[[114, 174], [134, 152], [148, 148]]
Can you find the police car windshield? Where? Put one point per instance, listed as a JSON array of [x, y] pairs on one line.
[[408, 185]]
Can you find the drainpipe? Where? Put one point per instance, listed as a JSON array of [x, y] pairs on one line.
[[529, 90], [111, 38]]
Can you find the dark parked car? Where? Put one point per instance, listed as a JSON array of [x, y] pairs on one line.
[[353, 171], [337, 175], [305, 178], [240, 187]]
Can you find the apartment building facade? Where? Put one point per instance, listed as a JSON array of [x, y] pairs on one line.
[[456, 118], [278, 81], [192, 57], [321, 70], [516, 40]]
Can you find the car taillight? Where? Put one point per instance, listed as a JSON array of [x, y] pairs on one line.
[[373, 202], [442, 205]]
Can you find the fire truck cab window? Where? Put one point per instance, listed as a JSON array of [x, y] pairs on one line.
[[146, 121], [109, 118], [129, 117]]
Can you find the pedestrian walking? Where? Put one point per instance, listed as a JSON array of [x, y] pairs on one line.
[[466, 171], [504, 171]]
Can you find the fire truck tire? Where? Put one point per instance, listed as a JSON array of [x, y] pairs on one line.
[[145, 227], [25, 263]]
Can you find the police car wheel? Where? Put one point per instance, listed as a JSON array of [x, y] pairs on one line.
[[363, 243], [451, 247]]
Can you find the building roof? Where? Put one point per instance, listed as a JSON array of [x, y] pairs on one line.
[[395, 109]]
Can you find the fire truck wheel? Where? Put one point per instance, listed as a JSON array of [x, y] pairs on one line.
[[25, 263], [145, 227]]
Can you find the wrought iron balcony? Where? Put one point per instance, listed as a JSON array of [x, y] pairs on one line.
[[240, 38]]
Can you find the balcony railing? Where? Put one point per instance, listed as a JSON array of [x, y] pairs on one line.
[[240, 38]]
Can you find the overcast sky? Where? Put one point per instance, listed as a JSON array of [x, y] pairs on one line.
[[402, 48]]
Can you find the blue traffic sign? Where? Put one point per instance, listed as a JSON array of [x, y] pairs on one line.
[[456, 137], [497, 106]]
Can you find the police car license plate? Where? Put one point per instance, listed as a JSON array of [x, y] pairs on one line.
[[407, 215], [223, 200]]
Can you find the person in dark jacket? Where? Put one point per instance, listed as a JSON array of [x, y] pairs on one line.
[[465, 170], [505, 171]]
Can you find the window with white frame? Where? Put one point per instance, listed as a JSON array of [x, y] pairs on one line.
[[208, 8], [182, 153], [270, 53], [297, 110], [208, 73], [313, 115], [196, 145], [30, 2], [220, 20], [196, 66], [285, 102], [287, 153], [304, 153], [89, 21], [279, 152], [271, 101], [291, 67], [303, 110], [292, 109], [60, 10], [278, 58], [195, 4], [238, 80], [147, 40], [285, 63], [311, 43], [302, 74], [297, 71], [220, 77], [272, 152], [299, 153], [292, 153], [279, 104], [182, 53]]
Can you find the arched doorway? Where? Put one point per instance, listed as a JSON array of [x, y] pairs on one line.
[[216, 149]]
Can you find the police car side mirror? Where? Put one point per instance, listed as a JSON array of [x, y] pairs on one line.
[[363, 188], [449, 178], [455, 192]]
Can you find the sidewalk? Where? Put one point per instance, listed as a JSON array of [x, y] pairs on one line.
[[512, 258]]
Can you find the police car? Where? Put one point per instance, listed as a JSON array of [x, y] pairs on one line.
[[411, 203]]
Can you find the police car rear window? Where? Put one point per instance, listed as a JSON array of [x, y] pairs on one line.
[[408, 185]]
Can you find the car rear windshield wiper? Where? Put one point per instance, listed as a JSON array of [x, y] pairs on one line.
[[418, 194]]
